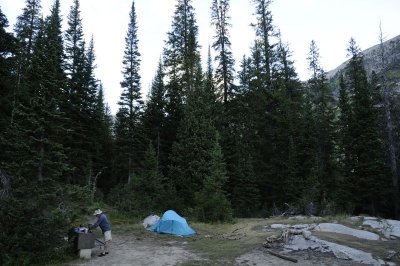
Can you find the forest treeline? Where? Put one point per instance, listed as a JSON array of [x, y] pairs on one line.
[[211, 143]]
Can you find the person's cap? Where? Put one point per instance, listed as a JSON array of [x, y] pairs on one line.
[[97, 212]]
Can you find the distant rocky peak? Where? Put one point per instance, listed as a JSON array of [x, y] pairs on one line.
[[372, 61]]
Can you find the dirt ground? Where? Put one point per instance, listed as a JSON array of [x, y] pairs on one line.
[[128, 250], [131, 250], [137, 246]]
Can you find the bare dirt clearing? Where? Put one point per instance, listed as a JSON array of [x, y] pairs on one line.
[[226, 244]]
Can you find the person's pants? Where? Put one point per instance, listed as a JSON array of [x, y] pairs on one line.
[[107, 241]]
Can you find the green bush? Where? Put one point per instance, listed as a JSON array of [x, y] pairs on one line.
[[35, 222]]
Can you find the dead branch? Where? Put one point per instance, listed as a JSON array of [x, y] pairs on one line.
[[236, 236], [237, 229], [282, 256]]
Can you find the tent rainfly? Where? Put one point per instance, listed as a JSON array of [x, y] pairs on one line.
[[172, 223]]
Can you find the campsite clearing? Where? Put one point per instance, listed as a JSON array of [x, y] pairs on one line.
[[239, 243]]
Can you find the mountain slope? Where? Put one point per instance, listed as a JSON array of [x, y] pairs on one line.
[[372, 61]]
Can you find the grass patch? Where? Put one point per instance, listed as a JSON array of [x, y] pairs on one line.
[[222, 243]]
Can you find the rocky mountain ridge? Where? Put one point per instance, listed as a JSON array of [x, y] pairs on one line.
[[372, 61]]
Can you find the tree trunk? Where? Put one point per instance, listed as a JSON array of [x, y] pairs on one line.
[[389, 128]]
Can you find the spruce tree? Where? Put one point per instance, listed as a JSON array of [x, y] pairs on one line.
[[242, 185], [27, 26], [154, 116], [370, 171], [181, 63], [264, 32], [322, 100], [225, 61], [148, 184], [8, 53], [197, 164], [74, 104], [103, 144], [26, 29], [290, 159], [211, 202], [131, 105], [37, 167], [344, 153]]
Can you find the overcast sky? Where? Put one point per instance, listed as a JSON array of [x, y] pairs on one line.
[[330, 23]]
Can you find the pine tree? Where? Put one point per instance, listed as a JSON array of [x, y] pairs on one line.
[[370, 179], [103, 144], [8, 50], [37, 167], [211, 90], [37, 121], [131, 104], [154, 116], [181, 63], [242, 185], [197, 168], [26, 29], [225, 69], [55, 44], [290, 158], [264, 32], [90, 81], [344, 148], [74, 103], [244, 76], [212, 205], [322, 99], [256, 69], [148, 184], [27, 26]]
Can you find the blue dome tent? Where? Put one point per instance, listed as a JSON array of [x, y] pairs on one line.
[[172, 223]]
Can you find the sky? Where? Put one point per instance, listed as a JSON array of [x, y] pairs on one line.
[[330, 23]]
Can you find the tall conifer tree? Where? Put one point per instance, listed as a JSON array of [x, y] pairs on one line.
[[225, 61], [154, 116], [370, 171], [181, 63], [131, 104], [8, 50], [197, 167], [26, 29], [75, 103], [322, 99], [264, 32]]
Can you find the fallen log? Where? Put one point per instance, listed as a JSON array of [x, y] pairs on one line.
[[279, 255]]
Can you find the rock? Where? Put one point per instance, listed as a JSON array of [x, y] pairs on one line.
[[279, 226], [391, 254], [390, 229], [307, 234], [340, 251], [341, 229], [340, 254], [355, 218]]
